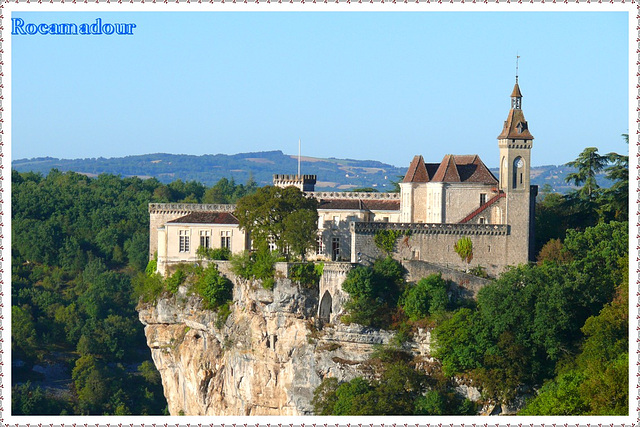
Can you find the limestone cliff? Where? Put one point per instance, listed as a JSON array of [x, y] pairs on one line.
[[266, 359]]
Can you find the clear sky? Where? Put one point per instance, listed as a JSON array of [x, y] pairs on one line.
[[381, 86]]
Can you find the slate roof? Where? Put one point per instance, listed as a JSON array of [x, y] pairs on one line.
[[206, 218], [359, 204], [453, 168]]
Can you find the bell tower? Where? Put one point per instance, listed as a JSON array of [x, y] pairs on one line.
[[515, 143]]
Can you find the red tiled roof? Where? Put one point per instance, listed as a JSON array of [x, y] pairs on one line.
[[417, 171], [206, 218], [448, 170], [463, 168], [476, 212]]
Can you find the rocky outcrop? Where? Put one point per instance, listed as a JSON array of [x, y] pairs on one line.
[[265, 359]]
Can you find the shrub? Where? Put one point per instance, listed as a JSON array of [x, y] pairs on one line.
[[175, 280], [223, 313], [148, 288], [304, 273], [152, 267], [241, 265], [385, 240], [428, 296], [479, 271], [214, 288], [219, 254]]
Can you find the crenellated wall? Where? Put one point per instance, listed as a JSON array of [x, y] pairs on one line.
[[435, 243]]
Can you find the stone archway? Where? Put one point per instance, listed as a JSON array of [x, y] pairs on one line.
[[326, 307]]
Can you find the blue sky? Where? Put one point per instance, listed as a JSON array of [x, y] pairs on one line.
[[378, 85]]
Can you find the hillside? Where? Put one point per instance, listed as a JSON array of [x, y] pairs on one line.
[[333, 174]]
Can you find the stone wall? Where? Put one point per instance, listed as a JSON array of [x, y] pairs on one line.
[[466, 285], [435, 243]]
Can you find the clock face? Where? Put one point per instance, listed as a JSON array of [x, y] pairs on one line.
[[519, 163]]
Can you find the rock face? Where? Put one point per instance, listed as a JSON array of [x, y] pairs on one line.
[[266, 359]]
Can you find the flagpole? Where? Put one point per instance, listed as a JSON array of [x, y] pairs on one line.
[[298, 157]]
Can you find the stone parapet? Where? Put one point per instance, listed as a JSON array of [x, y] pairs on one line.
[[419, 228], [354, 195], [159, 208]]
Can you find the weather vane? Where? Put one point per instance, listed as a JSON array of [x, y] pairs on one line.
[[517, 58]]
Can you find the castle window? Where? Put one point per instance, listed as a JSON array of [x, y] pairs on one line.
[[483, 199], [225, 239], [335, 248], [184, 240], [319, 246], [205, 239], [483, 220]]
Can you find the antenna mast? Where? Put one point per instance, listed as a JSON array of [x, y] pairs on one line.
[[299, 157]]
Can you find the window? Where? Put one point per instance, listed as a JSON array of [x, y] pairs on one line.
[[483, 220], [205, 239], [483, 198], [225, 239], [184, 240], [335, 248], [319, 246]]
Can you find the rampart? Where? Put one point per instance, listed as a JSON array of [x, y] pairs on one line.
[[354, 195], [435, 243]]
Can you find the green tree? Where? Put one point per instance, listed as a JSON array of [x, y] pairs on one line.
[[214, 288], [428, 296], [300, 231], [264, 213], [588, 164]]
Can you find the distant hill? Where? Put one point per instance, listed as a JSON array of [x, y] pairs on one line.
[[333, 174]]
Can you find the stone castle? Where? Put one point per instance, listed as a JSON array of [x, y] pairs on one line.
[[438, 204]]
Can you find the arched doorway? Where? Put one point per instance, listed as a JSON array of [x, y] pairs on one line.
[[325, 307]]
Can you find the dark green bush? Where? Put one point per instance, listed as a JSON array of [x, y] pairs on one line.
[[214, 288], [175, 280], [304, 273], [428, 296]]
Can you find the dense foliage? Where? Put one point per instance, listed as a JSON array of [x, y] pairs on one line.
[[588, 203], [428, 296], [79, 248], [280, 216], [373, 292], [399, 389], [531, 318]]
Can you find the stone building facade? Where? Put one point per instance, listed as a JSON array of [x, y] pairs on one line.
[[438, 204]]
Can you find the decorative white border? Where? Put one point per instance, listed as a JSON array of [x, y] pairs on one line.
[[631, 6]]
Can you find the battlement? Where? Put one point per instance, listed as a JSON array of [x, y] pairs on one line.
[[418, 228], [305, 183], [185, 208], [328, 195]]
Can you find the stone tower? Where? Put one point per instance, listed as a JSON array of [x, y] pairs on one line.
[[515, 143]]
